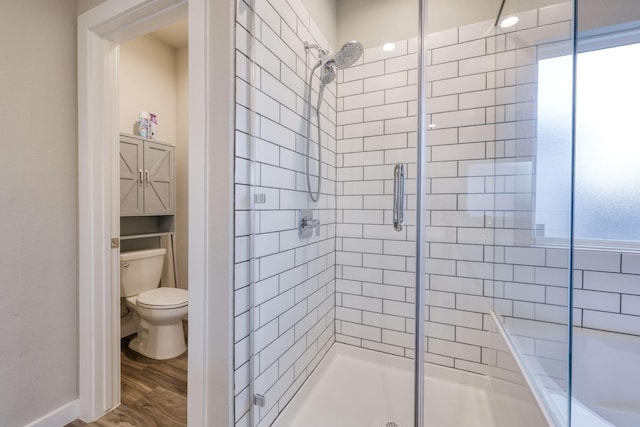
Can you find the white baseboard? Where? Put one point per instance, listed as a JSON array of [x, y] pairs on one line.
[[59, 417]]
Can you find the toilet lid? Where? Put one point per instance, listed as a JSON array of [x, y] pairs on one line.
[[163, 298]]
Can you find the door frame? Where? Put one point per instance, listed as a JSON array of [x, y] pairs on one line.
[[211, 195]]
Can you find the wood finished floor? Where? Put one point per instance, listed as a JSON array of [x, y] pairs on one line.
[[153, 392]]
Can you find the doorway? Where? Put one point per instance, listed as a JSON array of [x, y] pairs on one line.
[[100, 31], [153, 84]]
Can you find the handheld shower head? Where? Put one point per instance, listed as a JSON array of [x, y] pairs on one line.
[[346, 56], [327, 74]]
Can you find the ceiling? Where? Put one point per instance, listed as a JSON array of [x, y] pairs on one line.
[[175, 35]]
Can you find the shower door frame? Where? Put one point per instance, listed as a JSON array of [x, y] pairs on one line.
[[418, 394]]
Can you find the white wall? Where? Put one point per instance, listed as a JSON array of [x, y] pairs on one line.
[[375, 22], [324, 16], [601, 13], [38, 201], [84, 5], [147, 80]]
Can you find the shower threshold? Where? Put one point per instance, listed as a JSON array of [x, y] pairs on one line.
[[356, 387]]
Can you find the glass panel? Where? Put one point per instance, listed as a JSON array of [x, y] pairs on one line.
[[606, 345], [531, 216], [461, 108], [331, 339], [482, 254]]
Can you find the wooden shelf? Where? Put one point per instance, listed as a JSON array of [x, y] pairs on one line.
[[146, 235]]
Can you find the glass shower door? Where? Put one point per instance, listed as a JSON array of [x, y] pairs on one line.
[[606, 334], [325, 308], [533, 210], [499, 209]]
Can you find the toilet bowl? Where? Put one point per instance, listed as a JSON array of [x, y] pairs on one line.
[[157, 312]]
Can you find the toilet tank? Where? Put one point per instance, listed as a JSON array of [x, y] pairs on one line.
[[140, 271]]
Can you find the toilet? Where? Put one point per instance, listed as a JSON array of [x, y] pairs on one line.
[[157, 312]]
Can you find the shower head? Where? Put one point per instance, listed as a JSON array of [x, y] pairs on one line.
[[327, 74], [346, 56]]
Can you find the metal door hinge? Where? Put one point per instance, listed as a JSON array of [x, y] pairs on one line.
[[258, 400], [115, 243]]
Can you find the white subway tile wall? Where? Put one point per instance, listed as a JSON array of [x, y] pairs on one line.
[[375, 266], [293, 278]]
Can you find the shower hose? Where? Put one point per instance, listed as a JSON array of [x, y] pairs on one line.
[[315, 195]]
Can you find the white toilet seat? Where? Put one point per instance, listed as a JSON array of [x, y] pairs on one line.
[[161, 298], [157, 313]]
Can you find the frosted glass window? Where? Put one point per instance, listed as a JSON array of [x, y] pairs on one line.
[[553, 159], [607, 145]]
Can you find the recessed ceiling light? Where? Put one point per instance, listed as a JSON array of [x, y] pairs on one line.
[[388, 47], [509, 22]]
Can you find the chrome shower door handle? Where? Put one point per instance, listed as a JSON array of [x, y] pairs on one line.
[[398, 197]]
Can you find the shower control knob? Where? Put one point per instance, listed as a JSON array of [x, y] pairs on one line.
[[306, 223]]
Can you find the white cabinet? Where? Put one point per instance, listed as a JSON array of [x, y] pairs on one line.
[[147, 177]]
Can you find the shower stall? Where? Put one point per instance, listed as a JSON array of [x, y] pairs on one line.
[[435, 213]]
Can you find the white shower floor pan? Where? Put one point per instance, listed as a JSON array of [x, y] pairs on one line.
[[353, 387]]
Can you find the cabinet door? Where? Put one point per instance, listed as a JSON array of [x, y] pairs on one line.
[[160, 181], [131, 175]]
